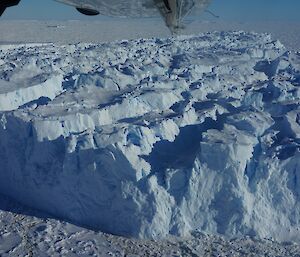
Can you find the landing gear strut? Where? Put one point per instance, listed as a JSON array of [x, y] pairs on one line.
[[166, 2]]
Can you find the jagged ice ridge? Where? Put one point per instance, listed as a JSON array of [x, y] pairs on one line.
[[152, 137]]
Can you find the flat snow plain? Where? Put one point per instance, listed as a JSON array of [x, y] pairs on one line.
[[71, 32], [147, 138]]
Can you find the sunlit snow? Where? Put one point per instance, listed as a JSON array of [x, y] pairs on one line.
[[152, 137]]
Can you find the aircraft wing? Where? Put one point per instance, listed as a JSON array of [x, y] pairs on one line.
[[118, 8], [138, 8], [173, 11]]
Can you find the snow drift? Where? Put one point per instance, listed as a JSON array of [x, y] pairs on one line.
[[152, 137]]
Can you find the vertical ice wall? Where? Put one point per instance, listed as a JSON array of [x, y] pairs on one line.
[[154, 137]]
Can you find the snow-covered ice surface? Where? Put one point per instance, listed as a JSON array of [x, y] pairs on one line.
[[71, 32], [149, 138]]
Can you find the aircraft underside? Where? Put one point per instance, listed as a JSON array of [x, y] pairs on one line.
[[173, 11]]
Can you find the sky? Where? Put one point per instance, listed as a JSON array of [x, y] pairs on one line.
[[239, 10]]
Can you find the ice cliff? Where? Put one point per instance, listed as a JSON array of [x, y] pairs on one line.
[[152, 137]]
